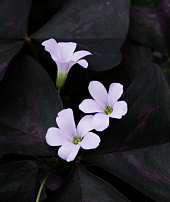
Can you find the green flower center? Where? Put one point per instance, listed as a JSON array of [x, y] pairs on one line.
[[76, 139], [108, 110]]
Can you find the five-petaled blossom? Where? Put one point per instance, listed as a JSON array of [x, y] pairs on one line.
[[105, 104], [71, 138], [64, 56]]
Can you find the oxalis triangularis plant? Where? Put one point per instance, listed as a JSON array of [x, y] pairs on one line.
[[95, 133]]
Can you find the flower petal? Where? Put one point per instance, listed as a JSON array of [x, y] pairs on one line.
[[65, 121], [82, 63], [90, 106], [85, 125], [98, 92], [73, 153], [68, 151], [115, 92], [52, 47], [90, 141], [119, 110], [56, 137], [100, 121], [62, 67], [66, 50], [79, 54], [71, 63]]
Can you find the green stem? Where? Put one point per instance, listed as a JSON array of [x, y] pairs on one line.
[[42, 185], [60, 80]]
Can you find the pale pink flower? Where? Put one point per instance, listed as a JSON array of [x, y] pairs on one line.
[[104, 104], [64, 56], [71, 138]]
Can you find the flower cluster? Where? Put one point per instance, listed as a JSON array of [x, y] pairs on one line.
[[104, 104]]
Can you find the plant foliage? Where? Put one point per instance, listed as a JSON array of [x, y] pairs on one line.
[[130, 44]]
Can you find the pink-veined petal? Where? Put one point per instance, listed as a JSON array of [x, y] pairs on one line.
[[98, 92], [119, 109], [79, 54], [65, 121], [90, 106], [82, 63], [56, 137], [52, 47], [100, 121], [62, 67], [68, 151], [115, 92], [85, 125], [66, 50], [90, 141]]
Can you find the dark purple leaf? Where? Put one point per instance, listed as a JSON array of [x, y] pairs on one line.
[[163, 8], [97, 26], [135, 58], [7, 51], [13, 25], [83, 186], [42, 11], [145, 25], [29, 105], [167, 74], [18, 181], [147, 169], [13, 18], [147, 121]]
